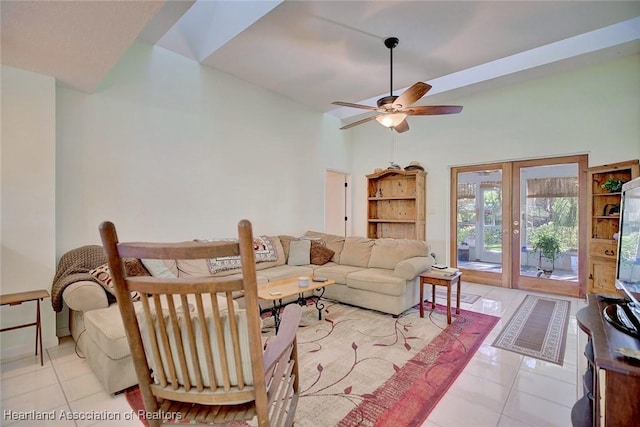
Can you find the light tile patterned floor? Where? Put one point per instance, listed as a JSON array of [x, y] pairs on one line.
[[498, 388]]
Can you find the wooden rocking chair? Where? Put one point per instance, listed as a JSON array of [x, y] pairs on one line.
[[196, 355]]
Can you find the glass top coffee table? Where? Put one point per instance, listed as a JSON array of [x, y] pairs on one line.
[[279, 290]]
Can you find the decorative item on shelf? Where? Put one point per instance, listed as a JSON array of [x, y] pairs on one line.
[[414, 166], [394, 166], [379, 192], [613, 185], [611, 209]]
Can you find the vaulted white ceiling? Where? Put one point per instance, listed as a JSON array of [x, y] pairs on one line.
[[315, 52]]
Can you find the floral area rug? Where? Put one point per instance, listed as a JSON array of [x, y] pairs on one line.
[[464, 297], [365, 368]]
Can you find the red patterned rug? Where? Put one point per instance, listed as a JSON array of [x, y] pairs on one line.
[[364, 368]]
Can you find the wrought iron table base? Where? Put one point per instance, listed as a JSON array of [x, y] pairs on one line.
[[302, 301]]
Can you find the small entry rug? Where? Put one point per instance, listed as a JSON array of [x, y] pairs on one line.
[[538, 329], [365, 368], [464, 297]]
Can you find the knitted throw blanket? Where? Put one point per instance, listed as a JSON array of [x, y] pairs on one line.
[[74, 266]]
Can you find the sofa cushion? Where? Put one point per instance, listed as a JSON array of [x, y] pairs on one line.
[[161, 268], [284, 271], [331, 241], [197, 268], [387, 253], [379, 280], [198, 329], [105, 328], [337, 272], [299, 252], [356, 251], [216, 351], [285, 241]]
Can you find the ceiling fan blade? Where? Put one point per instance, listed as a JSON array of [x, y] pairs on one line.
[[433, 110], [411, 95], [349, 104], [359, 122], [402, 127]]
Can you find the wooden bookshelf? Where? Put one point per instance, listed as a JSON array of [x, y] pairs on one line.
[[396, 204], [603, 223]]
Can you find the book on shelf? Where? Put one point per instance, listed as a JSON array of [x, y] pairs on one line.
[[444, 272]]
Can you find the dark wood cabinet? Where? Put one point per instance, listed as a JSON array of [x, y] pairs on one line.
[[611, 382]]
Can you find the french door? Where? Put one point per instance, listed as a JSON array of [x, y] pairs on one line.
[[519, 224]]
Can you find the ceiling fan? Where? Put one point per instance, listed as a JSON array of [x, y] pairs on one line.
[[393, 110]]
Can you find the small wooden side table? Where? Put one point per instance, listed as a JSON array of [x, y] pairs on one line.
[[435, 279], [19, 298]]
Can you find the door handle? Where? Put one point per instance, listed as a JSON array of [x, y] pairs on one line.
[[516, 231]]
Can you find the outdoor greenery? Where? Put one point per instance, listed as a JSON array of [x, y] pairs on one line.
[[629, 247], [546, 240], [561, 213], [492, 218], [551, 223]]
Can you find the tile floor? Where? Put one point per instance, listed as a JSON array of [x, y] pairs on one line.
[[498, 388]]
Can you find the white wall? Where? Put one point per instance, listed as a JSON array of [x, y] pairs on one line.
[[595, 110], [27, 198], [168, 149]]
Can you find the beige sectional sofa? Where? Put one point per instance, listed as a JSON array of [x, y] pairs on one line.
[[377, 274]]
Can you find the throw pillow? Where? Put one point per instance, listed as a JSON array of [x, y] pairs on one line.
[[132, 266], [299, 252], [263, 248], [286, 241], [158, 268], [320, 254]]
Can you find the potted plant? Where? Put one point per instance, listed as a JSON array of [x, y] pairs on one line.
[[612, 185], [547, 242]]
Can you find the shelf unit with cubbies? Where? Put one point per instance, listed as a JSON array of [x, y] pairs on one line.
[[604, 222], [396, 204]]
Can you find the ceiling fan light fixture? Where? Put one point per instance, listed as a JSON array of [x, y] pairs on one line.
[[391, 120]]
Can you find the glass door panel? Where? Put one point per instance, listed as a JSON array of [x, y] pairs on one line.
[[479, 213], [548, 223]]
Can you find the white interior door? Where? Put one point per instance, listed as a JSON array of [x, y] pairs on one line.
[[337, 203]]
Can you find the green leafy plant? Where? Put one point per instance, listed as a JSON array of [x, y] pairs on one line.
[[612, 185], [546, 240]]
